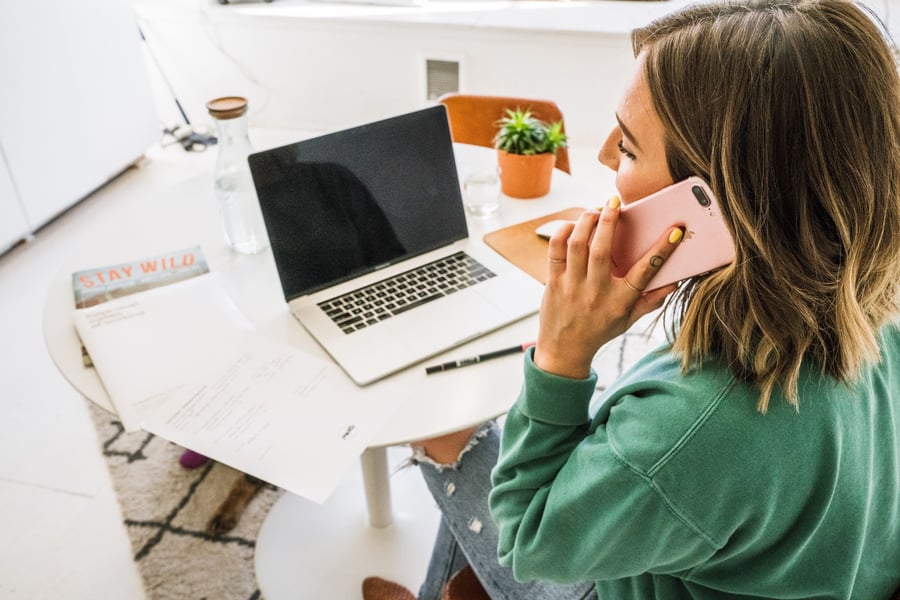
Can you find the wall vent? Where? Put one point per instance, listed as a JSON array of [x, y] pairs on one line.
[[442, 77]]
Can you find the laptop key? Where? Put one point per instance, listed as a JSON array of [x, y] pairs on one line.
[[411, 305], [350, 321]]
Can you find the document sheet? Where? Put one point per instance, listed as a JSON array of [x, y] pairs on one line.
[[183, 363]]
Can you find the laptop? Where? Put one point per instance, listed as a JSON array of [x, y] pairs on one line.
[[368, 232]]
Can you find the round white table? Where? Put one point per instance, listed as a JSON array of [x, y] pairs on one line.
[[168, 204], [304, 550]]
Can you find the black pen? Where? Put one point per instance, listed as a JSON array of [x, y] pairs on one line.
[[474, 360]]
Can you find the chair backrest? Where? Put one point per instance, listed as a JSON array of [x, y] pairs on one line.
[[473, 118]]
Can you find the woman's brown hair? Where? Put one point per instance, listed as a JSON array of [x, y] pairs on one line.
[[791, 111]]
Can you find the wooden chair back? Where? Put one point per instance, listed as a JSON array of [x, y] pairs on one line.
[[473, 118]]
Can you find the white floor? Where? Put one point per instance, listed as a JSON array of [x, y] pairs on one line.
[[58, 513], [59, 520]]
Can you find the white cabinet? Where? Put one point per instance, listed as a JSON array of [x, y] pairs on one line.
[[13, 226], [76, 107]]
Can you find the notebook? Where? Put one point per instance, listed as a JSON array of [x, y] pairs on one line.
[[369, 236]]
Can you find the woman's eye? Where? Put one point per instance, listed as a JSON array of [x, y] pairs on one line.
[[622, 149]]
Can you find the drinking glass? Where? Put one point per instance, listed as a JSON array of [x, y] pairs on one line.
[[481, 192]]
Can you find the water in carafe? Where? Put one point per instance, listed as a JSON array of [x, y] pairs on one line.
[[245, 231]]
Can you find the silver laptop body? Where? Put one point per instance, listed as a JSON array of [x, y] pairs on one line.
[[374, 203]]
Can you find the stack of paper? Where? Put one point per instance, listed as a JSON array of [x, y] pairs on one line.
[[183, 363]]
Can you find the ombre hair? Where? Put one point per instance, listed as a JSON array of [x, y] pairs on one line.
[[790, 109]]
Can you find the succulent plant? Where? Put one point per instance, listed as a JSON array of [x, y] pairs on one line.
[[520, 132]]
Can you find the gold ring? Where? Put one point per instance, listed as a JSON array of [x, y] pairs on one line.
[[557, 261], [632, 287]]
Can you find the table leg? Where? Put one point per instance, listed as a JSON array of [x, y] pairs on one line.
[[309, 550], [376, 481]]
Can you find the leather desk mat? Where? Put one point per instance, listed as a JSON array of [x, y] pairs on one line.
[[521, 246]]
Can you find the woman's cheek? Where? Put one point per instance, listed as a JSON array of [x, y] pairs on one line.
[[633, 184], [625, 185]]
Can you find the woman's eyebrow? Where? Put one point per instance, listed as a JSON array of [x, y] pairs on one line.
[[628, 134]]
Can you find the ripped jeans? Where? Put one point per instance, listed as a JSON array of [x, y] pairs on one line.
[[468, 535]]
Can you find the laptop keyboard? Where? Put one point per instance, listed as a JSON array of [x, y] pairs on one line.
[[382, 300]]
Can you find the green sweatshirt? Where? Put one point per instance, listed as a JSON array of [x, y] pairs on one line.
[[679, 488]]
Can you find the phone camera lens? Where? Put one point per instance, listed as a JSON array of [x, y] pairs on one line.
[[700, 195]]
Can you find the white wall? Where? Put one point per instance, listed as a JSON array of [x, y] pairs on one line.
[[322, 74], [315, 66]]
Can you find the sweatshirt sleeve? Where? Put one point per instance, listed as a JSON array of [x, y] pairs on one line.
[[568, 509]]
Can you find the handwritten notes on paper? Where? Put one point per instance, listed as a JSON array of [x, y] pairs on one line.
[[183, 363]]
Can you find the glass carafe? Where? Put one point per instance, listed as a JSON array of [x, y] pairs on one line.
[[245, 231]]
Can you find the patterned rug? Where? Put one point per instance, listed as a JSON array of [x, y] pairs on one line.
[[166, 508]]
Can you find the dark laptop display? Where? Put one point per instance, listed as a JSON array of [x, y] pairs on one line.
[[351, 202]]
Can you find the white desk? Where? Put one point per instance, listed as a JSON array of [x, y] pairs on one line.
[[308, 551], [168, 204]]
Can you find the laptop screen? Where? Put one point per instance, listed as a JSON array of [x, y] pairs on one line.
[[350, 202]]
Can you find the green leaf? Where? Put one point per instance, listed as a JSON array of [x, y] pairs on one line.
[[520, 132]]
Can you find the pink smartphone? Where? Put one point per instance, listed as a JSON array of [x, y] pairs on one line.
[[707, 243]]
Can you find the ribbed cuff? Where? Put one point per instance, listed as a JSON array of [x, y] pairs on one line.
[[553, 399]]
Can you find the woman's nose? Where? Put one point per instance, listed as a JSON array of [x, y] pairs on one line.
[[609, 152]]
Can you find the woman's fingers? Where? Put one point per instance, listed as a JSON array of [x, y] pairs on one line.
[[644, 271], [558, 250], [640, 275], [579, 242], [570, 244], [584, 304], [650, 301], [603, 240]]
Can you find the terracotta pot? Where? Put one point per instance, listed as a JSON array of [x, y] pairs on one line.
[[525, 176]]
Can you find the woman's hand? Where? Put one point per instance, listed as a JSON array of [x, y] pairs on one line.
[[584, 305]]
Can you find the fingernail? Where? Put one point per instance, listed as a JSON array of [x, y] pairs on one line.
[[614, 202], [675, 235]]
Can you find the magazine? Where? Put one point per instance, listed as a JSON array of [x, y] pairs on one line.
[[101, 284]]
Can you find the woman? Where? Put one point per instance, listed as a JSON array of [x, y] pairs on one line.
[[758, 454]]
